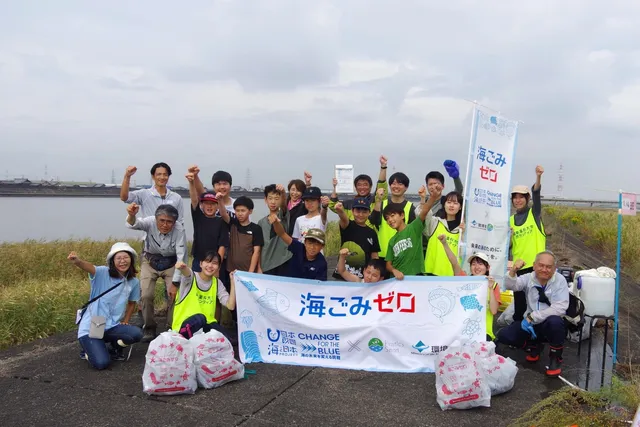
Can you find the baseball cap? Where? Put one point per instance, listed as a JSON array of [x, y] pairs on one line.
[[311, 193], [208, 197], [480, 255], [520, 189], [315, 234], [361, 203]]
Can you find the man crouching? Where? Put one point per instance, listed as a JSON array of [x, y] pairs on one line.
[[547, 295]]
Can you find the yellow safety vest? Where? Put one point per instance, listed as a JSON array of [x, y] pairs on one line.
[[436, 261], [385, 233], [489, 313], [527, 240], [196, 301]]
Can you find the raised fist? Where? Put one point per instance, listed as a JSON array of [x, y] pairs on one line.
[[539, 170], [73, 257], [383, 161], [131, 170], [339, 207], [133, 209], [194, 169], [190, 176]]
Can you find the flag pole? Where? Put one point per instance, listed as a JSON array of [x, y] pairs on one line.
[[617, 297], [467, 177]]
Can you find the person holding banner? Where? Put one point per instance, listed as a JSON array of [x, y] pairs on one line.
[[196, 300], [374, 271], [436, 179], [404, 252], [363, 185], [447, 222], [479, 265], [360, 240], [547, 295], [527, 233]]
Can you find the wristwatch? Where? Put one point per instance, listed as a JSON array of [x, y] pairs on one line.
[[529, 318]]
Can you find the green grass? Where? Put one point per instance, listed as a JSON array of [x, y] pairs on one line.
[[611, 406], [40, 291], [599, 230]]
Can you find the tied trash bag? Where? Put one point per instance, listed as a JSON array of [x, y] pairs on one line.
[[460, 382], [499, 372], [214, 360], [169, 367]]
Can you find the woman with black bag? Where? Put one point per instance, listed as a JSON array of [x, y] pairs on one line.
[[104, 320], [165, 243]]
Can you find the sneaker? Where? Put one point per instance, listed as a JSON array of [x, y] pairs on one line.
[[149, 335], [83, 355], [555, 367], [126, 350]]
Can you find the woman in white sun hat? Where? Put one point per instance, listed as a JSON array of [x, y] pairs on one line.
[[479, 265], [103, 323]]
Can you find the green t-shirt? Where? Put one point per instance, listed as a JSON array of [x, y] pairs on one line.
[[405, 249]]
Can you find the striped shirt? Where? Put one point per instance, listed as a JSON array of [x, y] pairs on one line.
[[149, 199]]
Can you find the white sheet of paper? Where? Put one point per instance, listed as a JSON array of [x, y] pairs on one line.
[[344, 175]]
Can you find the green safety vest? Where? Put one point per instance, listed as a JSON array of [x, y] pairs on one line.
[[527, 240], [385, 233], [196, 301], [436, 261]]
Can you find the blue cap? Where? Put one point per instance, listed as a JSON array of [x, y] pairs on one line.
[[361, 203], [311, 193]]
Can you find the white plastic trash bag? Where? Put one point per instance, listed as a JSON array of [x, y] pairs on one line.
[[169, 367], [460, 382], [482, 349], [499, 372], [214, 360]]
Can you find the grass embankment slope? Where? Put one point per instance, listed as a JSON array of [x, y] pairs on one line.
[[40, 291], [598, 229]]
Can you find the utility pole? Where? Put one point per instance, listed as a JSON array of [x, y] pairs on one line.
[[248, 180], [46, 173], [113, 176]]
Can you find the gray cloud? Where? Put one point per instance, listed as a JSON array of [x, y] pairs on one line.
[[283, 86]]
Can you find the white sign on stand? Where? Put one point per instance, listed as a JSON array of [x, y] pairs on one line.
[[344, 174]]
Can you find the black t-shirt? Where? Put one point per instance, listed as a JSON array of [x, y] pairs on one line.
[[297, 211], [209, 233], [362, 240], [301, 267]]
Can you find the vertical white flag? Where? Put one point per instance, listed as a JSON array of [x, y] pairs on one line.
[[487, 191]]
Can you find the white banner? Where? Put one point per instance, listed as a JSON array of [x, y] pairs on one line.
[[393, 326], [487, 196]]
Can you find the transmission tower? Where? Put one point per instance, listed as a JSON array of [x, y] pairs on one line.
[[560, 181], [248, 180]]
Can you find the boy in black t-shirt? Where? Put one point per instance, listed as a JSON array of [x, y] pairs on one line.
[[356, 236], [210, 232], [246, 238]]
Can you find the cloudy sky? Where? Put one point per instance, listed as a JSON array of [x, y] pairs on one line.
[[280, 86]]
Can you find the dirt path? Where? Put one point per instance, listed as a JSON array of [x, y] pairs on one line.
[[573, 252]]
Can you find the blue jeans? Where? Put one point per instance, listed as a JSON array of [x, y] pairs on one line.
[[96, 349], [551, 330]]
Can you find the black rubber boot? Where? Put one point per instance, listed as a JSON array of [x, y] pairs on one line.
[[555, 361], [533, 348]]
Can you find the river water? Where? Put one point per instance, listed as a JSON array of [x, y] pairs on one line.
[[53, 218]]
